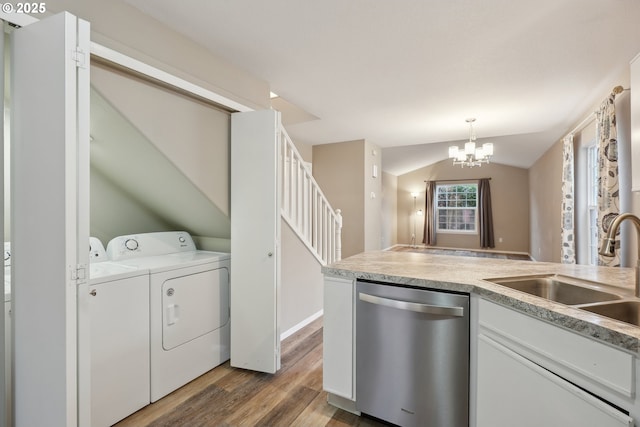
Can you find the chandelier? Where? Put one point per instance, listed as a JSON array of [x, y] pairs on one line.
[[471, 155]]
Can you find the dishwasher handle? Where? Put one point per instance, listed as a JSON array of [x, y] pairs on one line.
[[413, 306]]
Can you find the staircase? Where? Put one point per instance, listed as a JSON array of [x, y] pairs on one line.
[[305, 208]]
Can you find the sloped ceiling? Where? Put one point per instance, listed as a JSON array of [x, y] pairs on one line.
[[140, 186]]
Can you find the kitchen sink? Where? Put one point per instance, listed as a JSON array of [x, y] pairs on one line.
[[624, 311], [559, 289]]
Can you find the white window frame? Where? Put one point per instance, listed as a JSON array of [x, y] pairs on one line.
[[592, 201], [475, 210]]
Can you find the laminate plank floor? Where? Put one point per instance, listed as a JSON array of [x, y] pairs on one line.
[[227, 396]]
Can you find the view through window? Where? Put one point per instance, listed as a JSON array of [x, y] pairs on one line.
[[456, 208]]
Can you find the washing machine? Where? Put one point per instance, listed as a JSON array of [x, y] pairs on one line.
[[118, 316], [189, 304]]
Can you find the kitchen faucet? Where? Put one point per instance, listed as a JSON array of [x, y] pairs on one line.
[[608, 243]]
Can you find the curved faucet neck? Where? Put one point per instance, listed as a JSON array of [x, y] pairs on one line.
[[615, 224]]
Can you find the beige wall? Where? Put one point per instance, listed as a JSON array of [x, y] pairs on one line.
[[119, 26], [301, 281], [509, 195], [339, 170], [305, 150], [545, 178], [165, 152], [372, 197], [193, 135], [389, 214]]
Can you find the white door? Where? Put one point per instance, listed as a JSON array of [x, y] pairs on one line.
[[50, 215], [255, 241], [5, 320]]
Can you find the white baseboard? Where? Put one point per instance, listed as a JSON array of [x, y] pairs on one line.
[[300, 325]]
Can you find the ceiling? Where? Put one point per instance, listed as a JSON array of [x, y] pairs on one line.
[[406, 74]]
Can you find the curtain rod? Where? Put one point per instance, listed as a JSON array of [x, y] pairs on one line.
[[456, 180], [615, 91], [583, 124]]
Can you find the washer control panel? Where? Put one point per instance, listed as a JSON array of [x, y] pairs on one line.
[[131, 244], [7, 254], [97, 252], [149, 244]]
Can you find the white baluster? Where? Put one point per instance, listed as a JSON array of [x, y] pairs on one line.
[[305, 207], [338, 234]]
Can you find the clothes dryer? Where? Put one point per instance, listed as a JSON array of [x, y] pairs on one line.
[[189, 305], [118, 316]]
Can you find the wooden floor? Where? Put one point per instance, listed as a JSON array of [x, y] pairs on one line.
[[227, 396]]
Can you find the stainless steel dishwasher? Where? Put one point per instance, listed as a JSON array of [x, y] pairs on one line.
[[412, 355]]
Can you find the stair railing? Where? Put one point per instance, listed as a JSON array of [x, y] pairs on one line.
[[305, 207]]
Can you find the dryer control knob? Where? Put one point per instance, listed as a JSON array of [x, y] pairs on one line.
[[181, 239], [131, 244]]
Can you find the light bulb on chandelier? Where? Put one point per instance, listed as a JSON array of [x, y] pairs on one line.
[[471, 155]]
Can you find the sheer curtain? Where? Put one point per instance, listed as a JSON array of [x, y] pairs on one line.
[[608, 186], [429, 236], [485, 215], [567, 225]]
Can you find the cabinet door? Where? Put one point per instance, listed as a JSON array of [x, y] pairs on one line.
[[119, 316], [338, 344], [513, 391]]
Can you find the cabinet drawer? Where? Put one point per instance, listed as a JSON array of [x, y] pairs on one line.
[[546, 400], [580, 359]]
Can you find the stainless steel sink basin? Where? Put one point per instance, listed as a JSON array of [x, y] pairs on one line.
[[558, 289], [624, 311]]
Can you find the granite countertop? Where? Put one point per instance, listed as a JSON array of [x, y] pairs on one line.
[[467, 274]]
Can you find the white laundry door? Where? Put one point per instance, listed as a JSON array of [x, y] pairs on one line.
[[255, 241], [5, 322], [50, 214]]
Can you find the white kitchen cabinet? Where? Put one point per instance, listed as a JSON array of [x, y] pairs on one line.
[[516, 391], [531, 373], [635, 123], [120, 379], [338, 338]]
